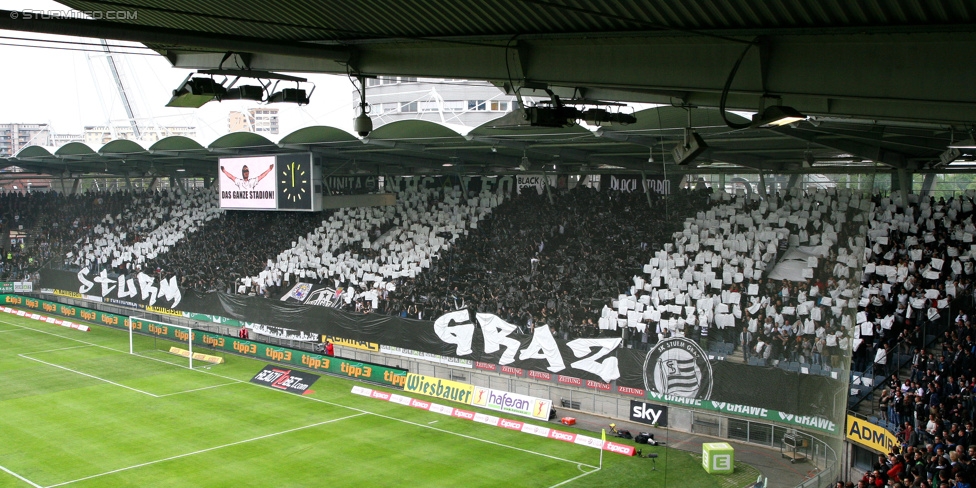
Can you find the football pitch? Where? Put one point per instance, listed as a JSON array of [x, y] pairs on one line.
[[76, 409]]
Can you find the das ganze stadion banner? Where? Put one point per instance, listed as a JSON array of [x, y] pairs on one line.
[[675, 370]]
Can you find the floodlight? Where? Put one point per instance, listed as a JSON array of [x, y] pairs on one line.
[[245, 92], [289, 95], [776, 116], [195, 92], [964, 144]]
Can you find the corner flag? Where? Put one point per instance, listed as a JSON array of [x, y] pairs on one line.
[[604, 436]]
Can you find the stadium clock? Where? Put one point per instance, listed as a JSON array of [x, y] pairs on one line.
[[294, 182]]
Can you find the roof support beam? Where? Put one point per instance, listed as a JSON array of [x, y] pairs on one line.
[[887, 76], [873, 152]]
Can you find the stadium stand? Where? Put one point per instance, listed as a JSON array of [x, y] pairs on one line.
[[533, 261]]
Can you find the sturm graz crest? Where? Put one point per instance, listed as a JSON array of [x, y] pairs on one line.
[[678, 367]]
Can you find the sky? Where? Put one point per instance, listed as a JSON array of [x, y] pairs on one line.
[[72, 89]]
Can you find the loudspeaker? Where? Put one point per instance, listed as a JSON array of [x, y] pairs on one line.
[[685, 154]]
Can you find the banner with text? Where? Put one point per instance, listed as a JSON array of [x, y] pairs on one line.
[[676, 367], [503, 401], [871, 436], [436, 387]]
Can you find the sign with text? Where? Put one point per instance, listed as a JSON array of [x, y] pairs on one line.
[[871, 436], [436, 387], [504, 401], [285, 379], [648, 413]]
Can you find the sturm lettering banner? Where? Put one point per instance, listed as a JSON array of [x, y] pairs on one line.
[[139, 288]]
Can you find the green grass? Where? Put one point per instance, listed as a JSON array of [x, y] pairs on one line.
[[77, 410]]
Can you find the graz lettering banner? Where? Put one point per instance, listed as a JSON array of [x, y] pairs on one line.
[[676, 371]]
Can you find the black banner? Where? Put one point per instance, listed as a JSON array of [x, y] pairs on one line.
[[599, 362], [635, 183], [351, 185], [648, 413], [139, 288], [285, 379]]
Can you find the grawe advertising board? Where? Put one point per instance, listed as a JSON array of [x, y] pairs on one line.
[[503, 401]]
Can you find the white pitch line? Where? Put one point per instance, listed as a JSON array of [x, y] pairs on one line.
[[198, 389], [21, 478], [205, 450], [325, 401], [61, 336], [577, 477], [58, 349], [11, 330], [90, 376]]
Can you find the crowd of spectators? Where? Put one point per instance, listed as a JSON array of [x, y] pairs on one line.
[[365, 252], [236, 244], [44, 226], [918, 283], [533, 261]]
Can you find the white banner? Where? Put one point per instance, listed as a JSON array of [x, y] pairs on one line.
[[530, 181], [503, 401], [426, 356]]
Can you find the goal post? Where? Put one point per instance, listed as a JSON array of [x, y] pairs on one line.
[[147, 335]]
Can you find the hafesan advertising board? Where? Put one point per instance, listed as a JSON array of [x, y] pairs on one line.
[[503, 401]]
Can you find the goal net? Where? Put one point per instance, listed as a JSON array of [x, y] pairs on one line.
[[161, 341]]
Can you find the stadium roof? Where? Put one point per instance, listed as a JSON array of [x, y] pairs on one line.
[[885, 80], [422, 147]]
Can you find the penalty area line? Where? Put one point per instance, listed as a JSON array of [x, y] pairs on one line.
[[201, 451], [21, 478], [198, 389], [90, 376]]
